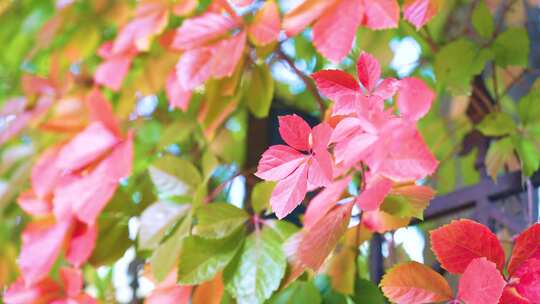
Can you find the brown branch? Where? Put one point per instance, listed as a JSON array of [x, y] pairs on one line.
[[310, 85]]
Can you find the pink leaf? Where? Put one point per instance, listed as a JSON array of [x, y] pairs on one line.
[[320, 137], [85, 147], [278, 162], [45, 238], [295, 132], [462, 241], [419, 12], [369, 71], [266, 25], [527, 246], [381, 14], [227, 54], [82, 243], [100, 109], [151, 19], [334, 32], [198, 31], [45, 174], [324, 201], [242, 3], [372, 197], [194, 67], [481, 283], [338, 86], [290, 192], [113, 70], [387, 88], [173, 294], [320, 170], [34, 205], [177, 95], [415, 98], [303, 15], [381, 222]]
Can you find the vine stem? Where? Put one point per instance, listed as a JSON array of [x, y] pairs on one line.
[[310, 85]]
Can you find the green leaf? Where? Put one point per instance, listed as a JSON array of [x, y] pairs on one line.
[[512, 47], [497, 124], [112, 233], [367, 292], [259, 270], [457, 62], [400, 206], [218, 220], [156, 219], [164, 258], [498, 154], [178, 131], [258, 90], [298, 292], [209, 164], [528, 155], [284, 229], [529, 107], [329, 296], [260, 196], [149, 133], [483, 21], [201, 259], [174, 176]]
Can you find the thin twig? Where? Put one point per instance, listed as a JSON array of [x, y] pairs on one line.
[[495, 84], [530, 202], [310, 85], [222, 186]]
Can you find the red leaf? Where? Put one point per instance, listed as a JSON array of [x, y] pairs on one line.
[[334, 32], [198, 31], [481, 283], [295, 132], [266, 25], [73, 281], [527, 277], [381, 14], [304, 14], [42, 292], [419, 12], [511, 296], [462, 241], [81, 244], [415, 283], [527, 245], [45, 173], [415, 98], [339, 87], [289, 192], [112, 71], [369, 71], [320, 239]]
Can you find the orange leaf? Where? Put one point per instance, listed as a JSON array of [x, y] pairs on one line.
[[322, 237], [415, 283], [462, 241]]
